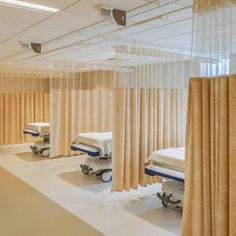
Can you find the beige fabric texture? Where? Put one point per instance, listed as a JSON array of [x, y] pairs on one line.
[[205, 5], [144, 120], [79, 103], [24, 97], [210, 194]]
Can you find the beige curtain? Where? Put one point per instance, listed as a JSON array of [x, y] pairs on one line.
[[150, 107], [205, 5], [24, 97], [80, 102], [210, 192], [144, 120]]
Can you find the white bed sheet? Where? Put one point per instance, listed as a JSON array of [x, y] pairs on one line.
[[42, 127], [171, 157], [100, 140]]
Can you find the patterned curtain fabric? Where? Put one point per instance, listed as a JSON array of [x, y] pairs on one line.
[[150, 107], [210, 194], [24, 97], [80, 102], [206, 5], [145, 120]]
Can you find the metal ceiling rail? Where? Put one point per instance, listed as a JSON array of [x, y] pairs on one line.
[[64, 35], [101, 35], [39, 22]]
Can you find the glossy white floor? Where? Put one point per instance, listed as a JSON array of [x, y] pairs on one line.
[[128, 213]]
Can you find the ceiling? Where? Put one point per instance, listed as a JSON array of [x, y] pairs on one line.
[[77, 34]]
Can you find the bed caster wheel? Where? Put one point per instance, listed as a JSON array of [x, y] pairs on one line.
[[45, 152], [85, 171], [106, 176], [162, 198]]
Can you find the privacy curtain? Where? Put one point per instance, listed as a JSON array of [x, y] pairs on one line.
[[205, 5], [80, 102], [150, 107], [210, 191], [24, 97]]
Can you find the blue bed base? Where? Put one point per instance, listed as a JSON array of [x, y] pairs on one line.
[[156, 173], [92, 154]]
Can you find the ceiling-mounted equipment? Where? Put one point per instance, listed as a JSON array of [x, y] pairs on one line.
[[36, 47], [28, 6], [104, 10], [119, 16]]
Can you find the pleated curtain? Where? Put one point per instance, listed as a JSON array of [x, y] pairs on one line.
[[150, 107], [210, 192], [24, 97], [80, 102], [205, 5], [210, 195]]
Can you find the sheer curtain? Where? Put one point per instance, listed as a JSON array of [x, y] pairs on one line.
[[24, 97], [210, 195], [150, 103], [81, 101]]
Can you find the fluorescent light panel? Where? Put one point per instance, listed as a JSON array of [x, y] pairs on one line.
[[29, 6]]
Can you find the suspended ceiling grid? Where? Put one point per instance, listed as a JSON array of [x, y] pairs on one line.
[[77, 34]]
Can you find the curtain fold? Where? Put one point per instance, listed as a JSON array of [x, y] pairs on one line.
[[24, 97], [80, 102], [209, 207], [150, 107], [205, 5]]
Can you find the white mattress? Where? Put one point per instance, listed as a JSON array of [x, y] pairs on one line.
[[41, 127], [172, 157], [102, 141]]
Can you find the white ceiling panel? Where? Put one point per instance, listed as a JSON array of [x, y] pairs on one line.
[[10, 47], [158, 33], [87, 6], [59, 4], [20, 15], [176, 42], [69, 21], [9, 28], [93, 37], [184, 2], [39, 34]]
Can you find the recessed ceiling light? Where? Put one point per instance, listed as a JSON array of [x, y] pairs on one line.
[[26, 5], [111, 53]]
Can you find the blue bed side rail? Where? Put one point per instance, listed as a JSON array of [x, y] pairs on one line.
[[92, 154], [34, 134], [156, 173]]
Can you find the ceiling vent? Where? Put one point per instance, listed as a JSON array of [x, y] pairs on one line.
[[36, 47], [104, 10]]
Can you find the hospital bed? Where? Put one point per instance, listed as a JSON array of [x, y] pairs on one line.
[[170, 165], [42, 129], [98, 147]]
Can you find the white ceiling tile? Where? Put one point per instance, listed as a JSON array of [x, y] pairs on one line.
[[20, 15], [170, 33], [185, 2], [88, 6], [10, 28], [10, 47], [155, 34], [59, 4], [39, 34], [69, 21]]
